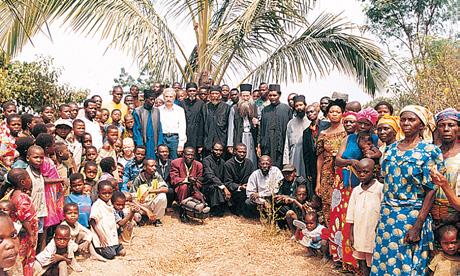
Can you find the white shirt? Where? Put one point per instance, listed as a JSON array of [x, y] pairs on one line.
[[103, 214], [93, 128], [44, 257], [173, 121], [264, 185]]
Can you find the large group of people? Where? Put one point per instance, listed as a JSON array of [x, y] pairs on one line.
[[369, 192]]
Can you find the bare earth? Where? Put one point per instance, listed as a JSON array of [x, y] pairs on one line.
[[220, 246]]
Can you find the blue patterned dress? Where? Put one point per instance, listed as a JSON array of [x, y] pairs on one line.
[[407, 179]]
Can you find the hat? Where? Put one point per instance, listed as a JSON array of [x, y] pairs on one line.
[[63, 122], [148, 93], [216, 88], [299, 98], [191, 85], [274, 87], [246, 87], [288, 168]]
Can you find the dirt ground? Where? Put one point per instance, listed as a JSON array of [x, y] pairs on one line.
[[220, 246]]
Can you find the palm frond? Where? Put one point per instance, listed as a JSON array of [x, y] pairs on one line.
[[325, 45]]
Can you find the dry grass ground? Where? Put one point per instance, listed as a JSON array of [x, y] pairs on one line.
[[220, 246]]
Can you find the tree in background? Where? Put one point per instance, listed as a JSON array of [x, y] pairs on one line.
[[268, 40], [35, 84], [125, 80], [411, 31]]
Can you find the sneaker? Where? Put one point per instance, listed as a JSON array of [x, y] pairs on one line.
[[158, 223], [299, 224]]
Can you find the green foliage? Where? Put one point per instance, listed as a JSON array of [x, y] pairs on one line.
[[34, 84], [125, 80]]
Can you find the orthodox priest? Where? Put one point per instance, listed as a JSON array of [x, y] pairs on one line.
[[243, 123], [194, 117], [215, 120], [273, 124], [293, 143]]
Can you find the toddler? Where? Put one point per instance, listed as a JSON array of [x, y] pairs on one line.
[[310, 235], [447, 262]]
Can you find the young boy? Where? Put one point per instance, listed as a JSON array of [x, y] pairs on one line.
[[58, 255], [103, 225], [76, 196], [311, 235], [296, 209], [447, 262], [64, 164], [124, 221], [116, 119], [108, 167], [108, 149], [129, 124], [91, 171], [363, 214], [79, 234]]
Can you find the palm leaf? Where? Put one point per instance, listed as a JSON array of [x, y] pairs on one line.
[[324, 45]]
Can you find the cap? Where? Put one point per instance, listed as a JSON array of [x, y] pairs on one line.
[[191, 85], [274, 87], [288, 168], [246, 87], [63, 122], [299, 98], [216, 88]]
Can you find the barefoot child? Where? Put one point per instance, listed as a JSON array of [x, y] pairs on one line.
[[103, 225], [363, 214], [82, 200], [58, 255], [311, 235], [79, 234], [447, 262], [296, 209], [124, 221], [25, 213]]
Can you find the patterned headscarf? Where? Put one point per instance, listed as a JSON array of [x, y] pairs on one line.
[[446, 114], [349, 114], [369, 114], [392, 121], [427, 119]]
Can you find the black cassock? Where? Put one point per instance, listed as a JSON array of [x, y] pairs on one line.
[[237, 174], [216, 124], [213, 177], [194, 116], [272, 133]]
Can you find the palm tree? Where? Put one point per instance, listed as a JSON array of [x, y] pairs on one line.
[[240, 39]]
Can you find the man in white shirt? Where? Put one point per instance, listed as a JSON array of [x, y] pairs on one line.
[[262, 185], [173, 124], [91, 126]]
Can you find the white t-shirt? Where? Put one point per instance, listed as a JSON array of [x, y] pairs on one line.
[[93, 128], [103, 214]]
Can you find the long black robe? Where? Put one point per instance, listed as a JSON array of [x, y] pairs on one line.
[[237, 174], [309, 155], [272, 133], [194, 117], [213, 177], [215, 124]]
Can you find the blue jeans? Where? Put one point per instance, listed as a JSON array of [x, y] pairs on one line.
[[172, 142]]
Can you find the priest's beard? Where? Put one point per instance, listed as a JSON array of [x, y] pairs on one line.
[[300, 114], [245, 108]]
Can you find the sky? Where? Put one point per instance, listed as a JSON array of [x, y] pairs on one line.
[[87, 63]]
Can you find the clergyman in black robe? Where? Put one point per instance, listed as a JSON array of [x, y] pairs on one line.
[[215, 120], [273, 125], [194, 117]]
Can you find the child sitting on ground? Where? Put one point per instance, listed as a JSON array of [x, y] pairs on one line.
[[309, 234], [82, 236], [124, 221], [76, 196], [363, 214], [315, 205], [58, 255], [103, 225], [296, 210], [24, 212], [447, 262]]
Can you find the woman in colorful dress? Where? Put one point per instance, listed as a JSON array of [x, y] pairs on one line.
[[345, 180], [447, 122], [328, 144], [389, 131], [404, 234]]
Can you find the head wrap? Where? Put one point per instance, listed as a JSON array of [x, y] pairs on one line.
[[299, 98], [369, 114], [449, 113], [350, 113], [246, 87], [337, 102], [426, 117], [392, 121], [191, 85]]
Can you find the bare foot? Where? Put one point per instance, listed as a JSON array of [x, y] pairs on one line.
[[122, 253]]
